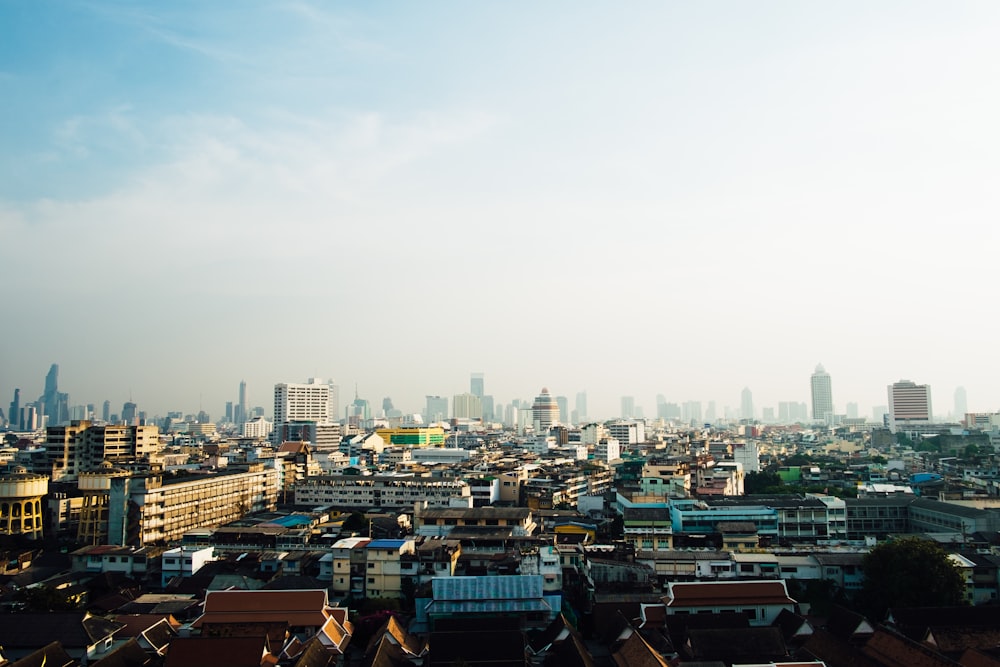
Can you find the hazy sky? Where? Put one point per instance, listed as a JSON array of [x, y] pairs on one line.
[[667, 197]]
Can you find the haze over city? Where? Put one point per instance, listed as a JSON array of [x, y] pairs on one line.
[[676, 199]]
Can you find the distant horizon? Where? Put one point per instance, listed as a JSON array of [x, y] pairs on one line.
[[942, 406]]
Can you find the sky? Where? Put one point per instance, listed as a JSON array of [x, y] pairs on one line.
[[658, 198]]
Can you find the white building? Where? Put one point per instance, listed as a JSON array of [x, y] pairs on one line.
[[822, 395], [184, 562], [258, 427]]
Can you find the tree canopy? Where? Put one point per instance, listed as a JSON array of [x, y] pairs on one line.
[[909, 572]]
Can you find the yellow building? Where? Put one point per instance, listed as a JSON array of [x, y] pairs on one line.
[[412, 436], [21, 503]]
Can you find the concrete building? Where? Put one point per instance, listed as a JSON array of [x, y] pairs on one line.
[[909, 404], [544, 411], [383, 567], [81, 446], [21, 503], [412, 436], [184, 561], [390, 491], [152, 509], [467, 406]]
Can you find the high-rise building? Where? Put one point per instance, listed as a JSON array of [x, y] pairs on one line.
[[961, 403], [544, 411], [130, 413], [909, 403], [476, 385], [852, 411], [628, 407], [467, 406], [822, 395], [563, 404], [746, 404], [436, 409], [581, 406], [240, 409], [106, 411], [302, 402], [14, 414], [489, 411], [53, 404]]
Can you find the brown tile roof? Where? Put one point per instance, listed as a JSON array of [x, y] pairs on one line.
[[635, 652], [894, 650], [835, 652], [957, 639], [717, 593], [135, 624], [299, 608], [215, 651], [974, 658], [129, 654]]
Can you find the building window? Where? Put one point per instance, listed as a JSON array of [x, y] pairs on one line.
[[371, 580]]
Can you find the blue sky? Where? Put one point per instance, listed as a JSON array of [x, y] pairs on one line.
[[675, 198]]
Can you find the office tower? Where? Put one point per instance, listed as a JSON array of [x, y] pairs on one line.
[[563, 404], [301, 402], [961, 403], [106, 411], [53, 404], [436, 409], [628, 407], [691, 412], [489, 412], [466, 406], [710, 413], [746, 404], [229, 412], [852, 410], [581, 406], [767, 415], [240, 410], [130, 413], [909, 403], [91, 412], [880, 414], [822, 395], [544, 411], [14, 414], [476, 386]]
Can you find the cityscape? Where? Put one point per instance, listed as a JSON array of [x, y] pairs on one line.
[[499, 334]]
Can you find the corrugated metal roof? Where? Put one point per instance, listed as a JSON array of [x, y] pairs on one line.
[[523, 587]]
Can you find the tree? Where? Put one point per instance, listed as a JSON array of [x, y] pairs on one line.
[[759, 482], [909, 572]]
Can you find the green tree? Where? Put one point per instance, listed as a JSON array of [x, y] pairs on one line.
[[355, 523], [759, 482], [909, 572]]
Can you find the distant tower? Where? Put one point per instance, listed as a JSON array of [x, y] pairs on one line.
[[14, 416], [961, 403], [106, 411], [544, 411], [746, 404], [130, 414], [822, 395], [563, 404], [21, 503], [241, 406], [628, 407], [581, 406], [477, 385]]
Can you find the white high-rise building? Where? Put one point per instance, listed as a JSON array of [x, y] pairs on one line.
[[302, 402], [822, 395], [544, 411], [961, 404], [909, 403], [466, 406]]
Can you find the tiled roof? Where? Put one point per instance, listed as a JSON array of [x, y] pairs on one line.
[[635, 652], [298, 608], [737, 644], [895, 650], [50, 655], [215, 651], [713, 594]]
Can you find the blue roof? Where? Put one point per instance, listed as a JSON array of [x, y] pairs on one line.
[[292, 520], [385, 544]]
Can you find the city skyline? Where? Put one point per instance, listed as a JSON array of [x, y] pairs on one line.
[[379, 193], [612, 407]]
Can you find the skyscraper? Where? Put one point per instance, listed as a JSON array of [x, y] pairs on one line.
[[14, 414], [476, 385], [961, 403], [822, 395], [746, 404], [909, 403], [467, 406], [240, 410], [436, 409], [54, 405], [581, 406], [628, 407], [301, 402], [563, 404]]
